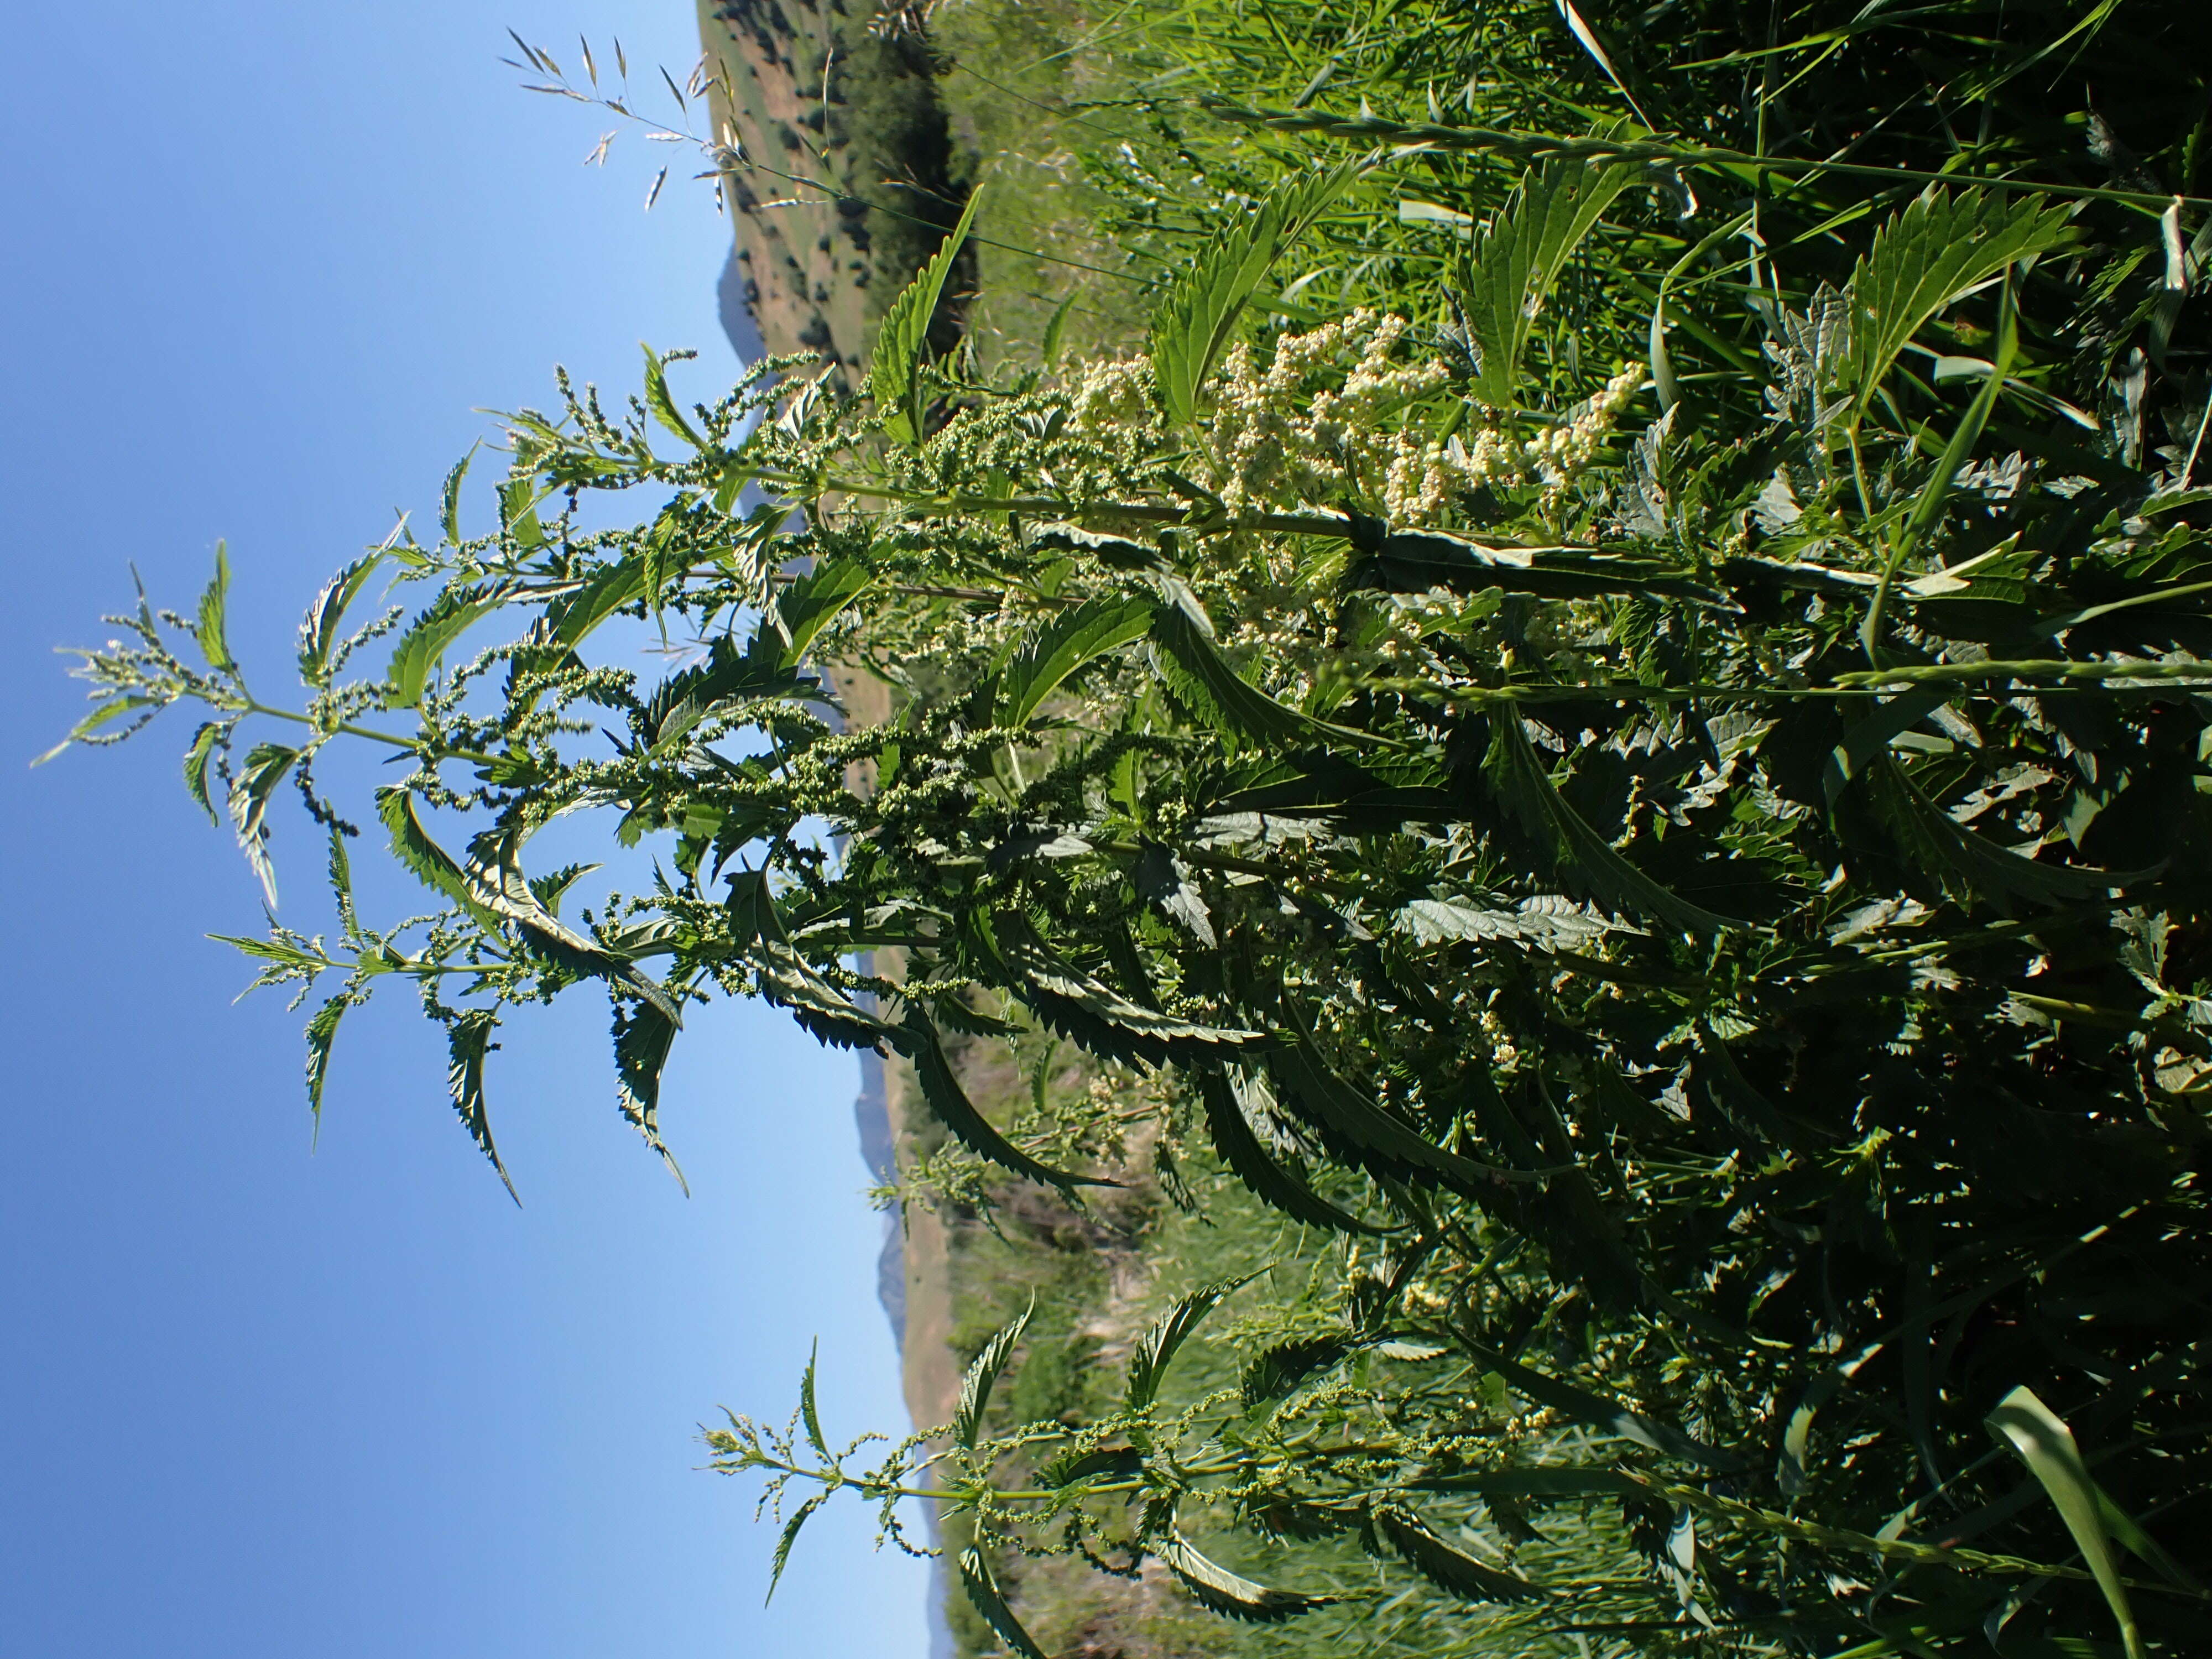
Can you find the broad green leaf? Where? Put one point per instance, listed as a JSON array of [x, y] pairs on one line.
[[322, 1032], [790, 1533], [1105, 1022], [1196, 671], [1924, 259], [1198, 316], [1214, 1586], [1274, 1372], [210, 737], [809, 1412], [1450, 1570], [940, 1088], [1303, 1078], [642, 1038], [1516, 260], [606, 592], [662, 405], [813, 602], [1966, 865], [450, 518], [421, 648], [1581, 855], [895, 368], [213, 644], [975, 1387], [319, 629], [1062, 645], [1546, 922], [983, 1592], [1160, 877], [1251, 1162], [469, 1039], [1155, 1350], [266, 765], [2040, 1438], [728, 677], [1605, 1412], [1049, 351]]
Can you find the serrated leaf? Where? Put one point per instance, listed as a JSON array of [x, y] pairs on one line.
[[1926, 257], [940, 1089], [810, 603], [1251, 1162], [1967, 866], [1274, 1372], [1450, 1570], [468, 1038], [895, 369], [2040, 1438], [1525, 788], [1214, 1586], [790, 1533], [426, 641], [1064, 645], [494, 889], [975, 1387], [322, 1032], [1159, 876], [449, 500], [809, 1414], [1546, 921], [1107, 1023], [1196, 671], [266, 765], [319, 629], [983, 1593], [642, 1038], [213, 644], [1198, 316], [1605, 1412], [212, 736], [604, 593], [1516, 260], [1155, 1350], [1329, 1102], [661, 405]]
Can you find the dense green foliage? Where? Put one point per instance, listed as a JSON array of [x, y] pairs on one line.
[[1629, 741]]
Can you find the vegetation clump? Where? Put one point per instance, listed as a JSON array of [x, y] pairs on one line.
[[1628, 749]]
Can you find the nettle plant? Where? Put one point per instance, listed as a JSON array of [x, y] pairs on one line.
[[1702, 884]]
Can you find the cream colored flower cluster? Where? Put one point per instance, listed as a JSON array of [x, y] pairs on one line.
[[1115, 399], [1274, 438]]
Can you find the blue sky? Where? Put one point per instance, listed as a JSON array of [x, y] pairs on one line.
[[261, 263]]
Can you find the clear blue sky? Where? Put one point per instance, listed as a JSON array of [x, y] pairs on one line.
[[259, 262]]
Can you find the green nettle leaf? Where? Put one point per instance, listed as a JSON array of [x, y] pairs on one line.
[[1928, 256], [318, 630], [1606, 1413], [1274, 1372], [975, 1387], [450, 518], [606, 592], [1968, 866], [1198, 316], [214, 645], [468, 1037], [983, 1589], [895, 367], [660, 404], [790, 1534], [643, 1036], [1251, 1162], [1214, 1586], [1450, 1570], [1517, 259], [813, 602], [1583, 856], [1155, 1350], [2041, 1440], [1105, 1022], [1062, 645], [940, 1087], [212, 736], [322, 1032], [809, 1412], [1194, 668], [266, 765], [1305, 1080], [425, 642]]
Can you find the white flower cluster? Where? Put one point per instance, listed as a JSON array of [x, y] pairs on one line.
[[1115, 399], [1276, 438]]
